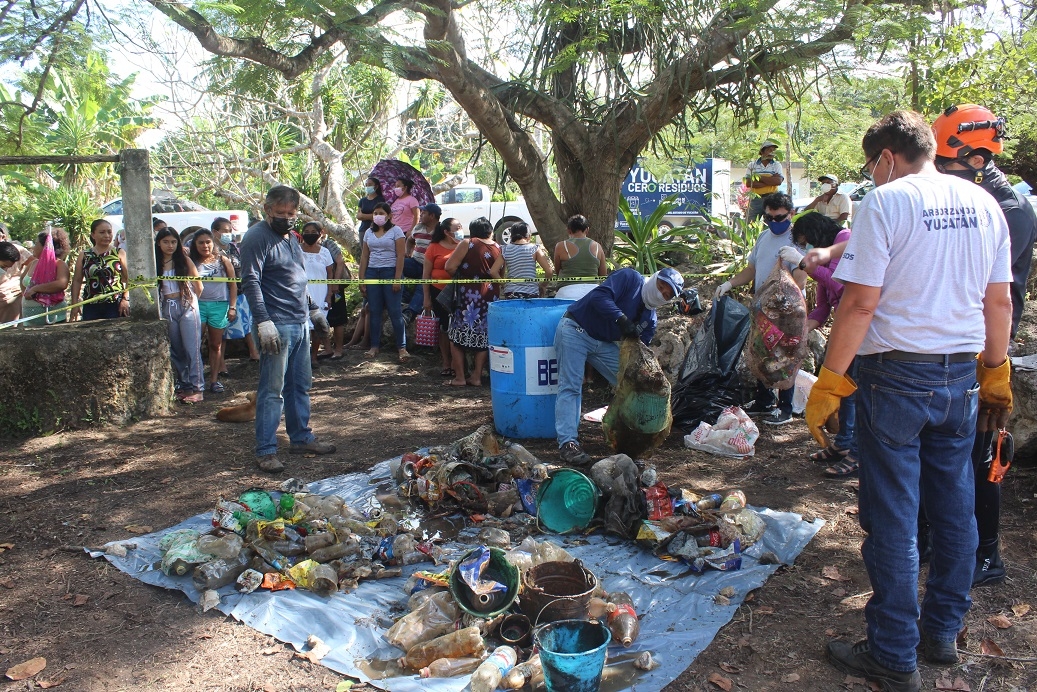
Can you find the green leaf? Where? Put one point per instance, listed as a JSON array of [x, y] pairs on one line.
[[344, 686]]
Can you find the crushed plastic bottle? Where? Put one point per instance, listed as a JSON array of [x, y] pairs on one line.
[[497, 538], [622, 618], [466, 642], [433, 618], [316, 541], [734, 501], [225, 547], [710, 501], [220, 572], [336, 551], [649, 476], [490, 672], [451, 667]]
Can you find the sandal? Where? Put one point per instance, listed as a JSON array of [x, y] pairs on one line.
[[447, 372], [846, 468], [829, 455], [216, 388]]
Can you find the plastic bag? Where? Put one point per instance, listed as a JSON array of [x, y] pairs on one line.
[[426, 329], [638, 419], [777, 340], [708, 380], [46, 270], [734, 435], [804, 383]]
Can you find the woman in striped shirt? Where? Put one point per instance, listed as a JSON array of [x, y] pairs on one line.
[[520, 260]]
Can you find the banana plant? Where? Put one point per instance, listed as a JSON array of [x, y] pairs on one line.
[[643, 245]]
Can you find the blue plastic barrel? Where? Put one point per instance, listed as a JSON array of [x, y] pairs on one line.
[[524, 366], [572, 653]]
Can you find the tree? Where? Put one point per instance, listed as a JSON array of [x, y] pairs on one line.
[[602, 78]]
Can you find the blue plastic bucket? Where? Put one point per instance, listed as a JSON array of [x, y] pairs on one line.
[[524, 366], [572, 653], [567, 501]]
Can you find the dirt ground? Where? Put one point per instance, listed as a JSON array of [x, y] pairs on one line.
[[101, 630]]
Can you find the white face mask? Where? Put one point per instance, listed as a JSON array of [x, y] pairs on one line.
[[379, 219], [459, 235], [399, 190], [826, 188], [226, 238], [651, 296]]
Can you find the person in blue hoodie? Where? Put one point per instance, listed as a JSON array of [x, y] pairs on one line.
[[623, 306]]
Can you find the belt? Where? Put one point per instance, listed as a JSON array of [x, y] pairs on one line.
[[945, 358]]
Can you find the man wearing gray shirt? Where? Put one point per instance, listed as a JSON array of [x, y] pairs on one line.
[[273, 280]]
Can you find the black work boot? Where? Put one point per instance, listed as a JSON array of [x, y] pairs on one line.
[[936, 652], [989, 567], [856, 660]]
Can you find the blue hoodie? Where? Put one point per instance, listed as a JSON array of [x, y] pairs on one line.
[[619, 294]]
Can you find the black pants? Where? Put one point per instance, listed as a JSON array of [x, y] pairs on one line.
[[988, 495], [765, 397]]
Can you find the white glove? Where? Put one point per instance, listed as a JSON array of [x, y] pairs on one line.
[[320, 323], [791, 255], [722, 290], [269, 340]]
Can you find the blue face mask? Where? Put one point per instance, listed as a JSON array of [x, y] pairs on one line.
[[779, 227]]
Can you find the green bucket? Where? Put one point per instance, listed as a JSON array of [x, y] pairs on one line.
[[498, 569], [567, 501]]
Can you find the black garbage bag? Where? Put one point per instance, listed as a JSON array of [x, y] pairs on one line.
[[708, 380]]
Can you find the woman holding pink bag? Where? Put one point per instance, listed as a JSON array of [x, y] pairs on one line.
[[45, 279]]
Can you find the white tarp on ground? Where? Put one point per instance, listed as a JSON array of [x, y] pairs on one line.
[[679, 617]]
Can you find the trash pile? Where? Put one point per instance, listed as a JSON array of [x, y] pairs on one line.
[[488, 599]]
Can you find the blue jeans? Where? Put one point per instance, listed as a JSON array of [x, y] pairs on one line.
[[381, 297], [576, 348], [284, 385], [185, 343], [765, 397], [413, 297], [848, 417], [915, 434]]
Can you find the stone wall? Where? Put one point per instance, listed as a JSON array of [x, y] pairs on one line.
[[83, 374]]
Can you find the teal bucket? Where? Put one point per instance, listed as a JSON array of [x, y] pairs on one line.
[[572, 653], [524, 366], [567, 501]]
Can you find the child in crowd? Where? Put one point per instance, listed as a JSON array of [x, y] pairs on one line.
[[178, 303]]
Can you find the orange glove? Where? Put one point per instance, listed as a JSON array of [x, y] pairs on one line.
[[823, 403], [995, 395]]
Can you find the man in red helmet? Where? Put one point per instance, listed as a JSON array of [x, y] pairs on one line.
[[967, 138]]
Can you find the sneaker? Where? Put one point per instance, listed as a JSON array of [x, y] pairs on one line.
[[312, 448], [572, 454], [408, 315], [269, 463], [856, 660], [938, 653], [777, 417], [755, 409]]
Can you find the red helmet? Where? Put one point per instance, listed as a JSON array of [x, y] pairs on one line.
[[964, 128]]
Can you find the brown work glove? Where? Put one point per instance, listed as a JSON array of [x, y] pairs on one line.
[[823, 403], [995, 395]]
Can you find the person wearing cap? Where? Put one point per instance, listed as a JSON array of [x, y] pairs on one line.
[[834, 204], [623, 306], [418, 240], [762, 177], [773, 245]]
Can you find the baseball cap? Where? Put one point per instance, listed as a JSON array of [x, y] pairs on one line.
[[769, 143], [673, 278], [433, 209], [829, 176]]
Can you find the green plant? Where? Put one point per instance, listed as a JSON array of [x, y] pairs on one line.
[[72, 209], [642, 246]]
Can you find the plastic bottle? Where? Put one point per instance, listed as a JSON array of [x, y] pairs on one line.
[[346, 525], [271, 557], [522, 673], [220, 572], [709, 502], [418, 598], [336, 551], [490, 672], [433, 618], [324, 580], [221, 546], [709, 539], [734, 501], [180, 567], [316, 541], [450, 667], [622, 618], [403, 544], [466, 642], [286, 505]]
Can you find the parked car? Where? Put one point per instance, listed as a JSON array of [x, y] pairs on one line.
[[468, 202], [180, 214]]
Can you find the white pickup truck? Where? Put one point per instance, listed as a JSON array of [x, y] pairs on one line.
[[468, 202], [180, 214]]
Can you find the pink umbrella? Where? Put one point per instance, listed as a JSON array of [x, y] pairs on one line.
[[388, 171]]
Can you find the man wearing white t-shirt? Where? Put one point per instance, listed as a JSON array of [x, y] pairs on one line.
[[927, 272]]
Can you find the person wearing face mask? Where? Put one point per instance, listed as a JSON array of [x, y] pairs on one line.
[[273, 278], [967, 138], [240, 326], [926, 311], [319, 265], [446, 236], [372, 196], [382, 258], [404, 206], [623, 306], [766, 253], [834, 204]]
